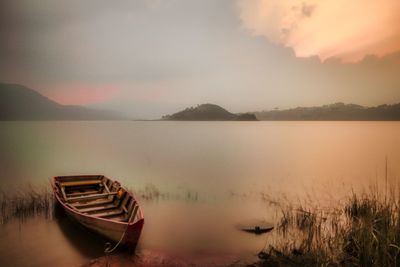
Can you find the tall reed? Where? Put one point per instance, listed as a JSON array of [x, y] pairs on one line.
[[26, 203], [363, 230]]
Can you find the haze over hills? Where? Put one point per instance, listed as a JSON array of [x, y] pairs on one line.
[[333, 112], [208, 112], [18, 102]]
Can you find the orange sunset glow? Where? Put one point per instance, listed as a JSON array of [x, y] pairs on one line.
[[343, 29]]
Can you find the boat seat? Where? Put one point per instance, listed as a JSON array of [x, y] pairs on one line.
[[109, 213], [80, 205], [118, 217], [95, 196], [99, 208], [80, 183], [91, 192]]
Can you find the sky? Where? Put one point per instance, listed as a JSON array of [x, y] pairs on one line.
[[148, 58]]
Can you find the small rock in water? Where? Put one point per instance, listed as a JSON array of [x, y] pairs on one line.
[[256, 226]]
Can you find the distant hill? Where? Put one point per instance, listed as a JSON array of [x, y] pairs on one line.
[[18, 102], [333, 112], [208, 112]]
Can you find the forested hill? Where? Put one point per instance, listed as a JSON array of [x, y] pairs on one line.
[[208, 112], [337, 111]]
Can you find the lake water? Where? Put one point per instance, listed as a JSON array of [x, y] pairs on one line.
[[210, 176]]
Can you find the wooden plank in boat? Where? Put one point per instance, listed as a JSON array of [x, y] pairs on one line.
[[109, 213], [72, 207], [98, 208], [79, 178], [63, 193], [133, 214], [106, 187], [119, 218], [79, 183], [95, 196], [92, 203], [83, 193]]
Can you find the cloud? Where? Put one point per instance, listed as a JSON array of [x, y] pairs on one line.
[[307, 10], [344, 29]]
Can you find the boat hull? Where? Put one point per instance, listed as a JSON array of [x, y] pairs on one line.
[[109, 229], [120, 232]]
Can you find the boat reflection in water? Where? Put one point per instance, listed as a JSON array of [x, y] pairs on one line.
[[89, 244]]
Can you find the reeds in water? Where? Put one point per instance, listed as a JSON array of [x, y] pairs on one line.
[[362, 231], [152, 193], [26, 203], [39, 201]]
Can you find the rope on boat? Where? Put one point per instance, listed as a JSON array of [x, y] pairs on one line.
[[109, 250]]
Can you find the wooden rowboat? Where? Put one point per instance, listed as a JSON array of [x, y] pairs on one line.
[[101, 205]]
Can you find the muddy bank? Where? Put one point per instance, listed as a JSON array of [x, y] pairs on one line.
[[147, 258]]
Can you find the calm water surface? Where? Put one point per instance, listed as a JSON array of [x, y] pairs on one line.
[[210, 176]]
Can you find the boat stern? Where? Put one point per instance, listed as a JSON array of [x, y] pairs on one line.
[[133, 233]]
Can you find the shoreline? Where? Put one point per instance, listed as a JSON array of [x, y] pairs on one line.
[[362, 230]]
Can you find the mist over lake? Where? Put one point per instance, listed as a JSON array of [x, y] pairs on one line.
[[203, 156], [199, 178]]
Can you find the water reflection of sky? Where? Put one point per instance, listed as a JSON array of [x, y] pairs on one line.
[[196, 181]]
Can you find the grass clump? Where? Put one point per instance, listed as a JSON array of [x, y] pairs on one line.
[[373, 232], [26, 203], [362, 231]]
